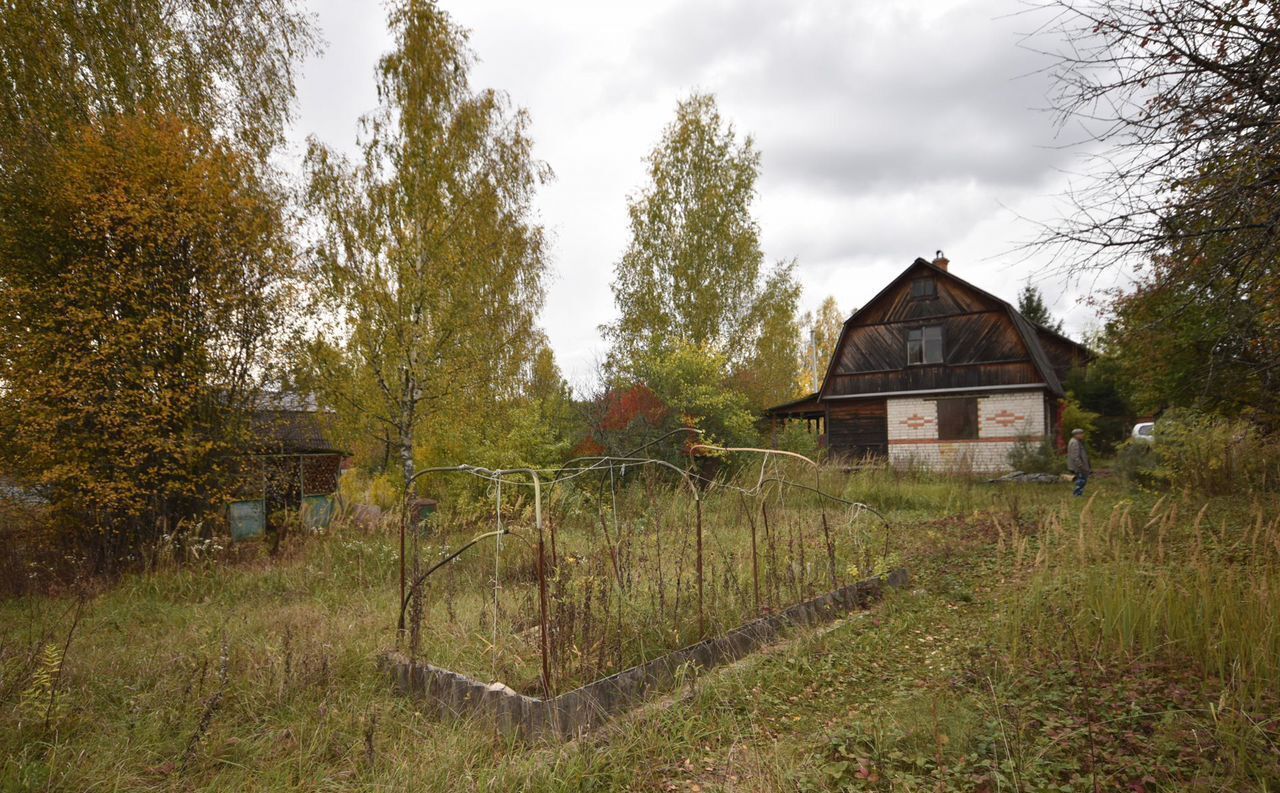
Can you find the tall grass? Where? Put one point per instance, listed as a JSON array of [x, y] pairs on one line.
[[1193, 585], [1165, 583], [258, 671], [910, 492], [623, 571]]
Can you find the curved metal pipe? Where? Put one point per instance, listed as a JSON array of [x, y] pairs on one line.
[[485, 473], [631, 453], [417, 582], [684, 475], [598, 462]]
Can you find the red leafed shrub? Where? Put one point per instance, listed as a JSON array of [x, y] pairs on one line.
[[624, 406]]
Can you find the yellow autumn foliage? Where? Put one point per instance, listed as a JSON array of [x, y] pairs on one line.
[[145, 271]]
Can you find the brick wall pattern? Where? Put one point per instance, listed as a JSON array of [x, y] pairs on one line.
[[1002, 418]]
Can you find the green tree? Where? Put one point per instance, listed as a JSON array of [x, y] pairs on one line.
[[693, 271], [141, 233], [1180, 96], [1201, 329], [1032, 306], [693, 383], [771, 373], [427, 255], [529, 421], [1103, 387], [548, 394], [821, 332], [541, 422], [1076, 416], [146, 276], [1219, 355], [227, 66]]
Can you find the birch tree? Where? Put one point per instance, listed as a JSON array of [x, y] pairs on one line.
[[225, 65], [427, 253], [821, 332], [693, 272]]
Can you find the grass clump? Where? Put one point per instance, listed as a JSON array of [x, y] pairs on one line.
[[1166, 583], [1036, 457]]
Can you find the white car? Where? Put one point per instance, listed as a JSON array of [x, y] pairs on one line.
[[1144, 431]]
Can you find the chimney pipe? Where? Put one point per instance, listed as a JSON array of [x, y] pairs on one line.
[[941, 261]]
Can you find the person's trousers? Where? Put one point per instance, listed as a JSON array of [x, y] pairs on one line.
[[1080, 480]]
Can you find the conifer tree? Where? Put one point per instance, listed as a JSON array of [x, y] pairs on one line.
[[1032, 306]]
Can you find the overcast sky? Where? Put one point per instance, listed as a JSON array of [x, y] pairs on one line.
[[888, 130]]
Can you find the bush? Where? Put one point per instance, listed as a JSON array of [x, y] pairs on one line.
[[1036, 458], [796, 438], [382, 490], [692, 381], [1137, 463], [1209, 453], [1075, 416]]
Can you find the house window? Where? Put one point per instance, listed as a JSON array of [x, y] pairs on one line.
[[923, 288], [924, 345], [958, 419]]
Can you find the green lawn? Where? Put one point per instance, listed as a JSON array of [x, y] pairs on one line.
[[1130, 650]]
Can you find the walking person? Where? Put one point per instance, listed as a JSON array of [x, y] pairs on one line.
[[1078, 461]]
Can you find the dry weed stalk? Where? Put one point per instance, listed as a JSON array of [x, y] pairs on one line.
[[211, 707]]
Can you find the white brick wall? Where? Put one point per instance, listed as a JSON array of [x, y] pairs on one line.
[[913, 432], [977, 456], [912, 419], [1011, 414]]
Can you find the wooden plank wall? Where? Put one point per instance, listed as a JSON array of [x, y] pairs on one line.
[[981, 345], [1062, 354], [859, 427]]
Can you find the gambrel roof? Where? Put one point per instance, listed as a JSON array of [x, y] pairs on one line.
[[1029, 333]]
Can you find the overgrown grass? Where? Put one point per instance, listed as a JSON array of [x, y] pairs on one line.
[[627, 580], [1176, 583], [1036, 650]]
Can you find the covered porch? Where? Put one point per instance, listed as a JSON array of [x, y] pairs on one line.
[[807, 409]]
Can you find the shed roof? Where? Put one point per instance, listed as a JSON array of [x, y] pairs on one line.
[[286, 422], [806, 406]]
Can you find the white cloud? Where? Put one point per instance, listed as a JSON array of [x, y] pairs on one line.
[[887, 131]]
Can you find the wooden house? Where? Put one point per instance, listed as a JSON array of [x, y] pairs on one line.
[[935, 371]]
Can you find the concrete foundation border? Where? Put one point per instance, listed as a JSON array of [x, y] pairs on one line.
[[450, 695]]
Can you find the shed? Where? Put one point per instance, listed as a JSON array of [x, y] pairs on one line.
[[291, 467]]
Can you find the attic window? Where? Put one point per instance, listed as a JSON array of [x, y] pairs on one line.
[[924, 345], [923, 289]]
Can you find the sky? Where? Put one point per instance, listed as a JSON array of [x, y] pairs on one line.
[[888, 130]]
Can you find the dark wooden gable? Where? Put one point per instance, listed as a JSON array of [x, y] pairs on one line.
[[1063, 353], [985, 342]]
